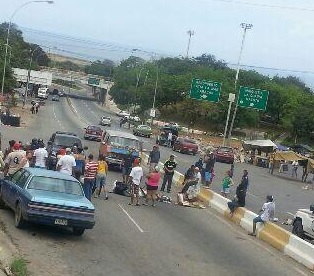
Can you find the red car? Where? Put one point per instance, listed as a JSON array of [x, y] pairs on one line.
[[93, 133], [224, 154], [185, 145]]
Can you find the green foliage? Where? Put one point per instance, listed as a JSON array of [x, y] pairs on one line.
[[100, 68], [65, 65], [19, 267]]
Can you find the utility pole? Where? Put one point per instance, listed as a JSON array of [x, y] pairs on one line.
[[190, 33], [245, 27]]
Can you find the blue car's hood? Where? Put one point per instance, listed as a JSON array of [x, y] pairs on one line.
[[60, 199]]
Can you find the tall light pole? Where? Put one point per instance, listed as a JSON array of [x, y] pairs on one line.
[[190, 33], [8, 35], [245, 27]]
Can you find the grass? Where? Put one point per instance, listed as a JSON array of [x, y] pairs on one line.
[[19, 267]]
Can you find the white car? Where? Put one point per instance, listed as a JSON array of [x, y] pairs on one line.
[[303, 223], [105, 121], [135, 118], [123, 113]]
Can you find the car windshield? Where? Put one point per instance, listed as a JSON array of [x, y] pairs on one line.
[[225, 149], [106, 118], [94, 128], [67, 141], [190, 141], [55, 185], [125, 142]]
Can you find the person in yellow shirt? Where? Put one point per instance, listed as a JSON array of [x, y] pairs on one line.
[[101, 176]]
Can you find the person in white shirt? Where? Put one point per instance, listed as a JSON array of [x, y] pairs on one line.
[[135, 179], [169, 138], [15, 160], [40, 156], [267, 213], [66, 163], [295, 165]]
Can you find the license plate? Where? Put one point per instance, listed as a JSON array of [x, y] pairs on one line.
[[61, 221], [93, 133]]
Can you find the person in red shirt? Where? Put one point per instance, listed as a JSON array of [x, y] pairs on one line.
[[89, 176], [153, 179]]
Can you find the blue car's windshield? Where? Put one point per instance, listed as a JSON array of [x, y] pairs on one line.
[[55, 185]]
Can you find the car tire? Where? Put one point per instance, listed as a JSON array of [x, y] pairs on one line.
[[298, 229], [2, 204], [77, 231], [19, 221]]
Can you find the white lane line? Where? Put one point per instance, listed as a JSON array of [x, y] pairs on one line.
[[131, 219], [290, 214], [54, 114]]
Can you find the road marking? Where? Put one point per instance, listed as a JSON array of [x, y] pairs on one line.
[[131, 219], [290, 214]]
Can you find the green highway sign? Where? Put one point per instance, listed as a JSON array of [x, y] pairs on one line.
[[93, 81], [253, 98], [205, 90]]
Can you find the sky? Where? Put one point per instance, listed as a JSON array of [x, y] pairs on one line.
[[281, 36]]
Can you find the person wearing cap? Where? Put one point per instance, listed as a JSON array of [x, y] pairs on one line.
[[153, 179], [40, 156], [15, 160], [153, 158], [66, 163], [267, 213], [169, 167], [90, 172], [135, 179], [226, 183]]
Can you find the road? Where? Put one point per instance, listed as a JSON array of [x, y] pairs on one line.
[[288, 193], [166, 240]]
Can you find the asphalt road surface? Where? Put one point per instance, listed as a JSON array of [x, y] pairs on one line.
[[289, 195], [127, 240]]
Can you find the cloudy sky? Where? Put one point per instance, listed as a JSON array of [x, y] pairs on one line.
[[281, 37]]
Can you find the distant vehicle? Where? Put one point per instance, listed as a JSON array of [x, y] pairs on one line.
[[224, 154], [105, 121], [303, 223], [143, 130], [162, 138], [172, 124], [43, 93], [57, 141], [55, 92], [116, 144], [185, 145], [93, 133], [123, 113], [47, 197], [135, 119], [61, 93], [55, 98]]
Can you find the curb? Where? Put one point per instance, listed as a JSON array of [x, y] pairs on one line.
[[274, 235]]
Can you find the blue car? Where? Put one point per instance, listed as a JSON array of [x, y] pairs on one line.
[[47, 197]]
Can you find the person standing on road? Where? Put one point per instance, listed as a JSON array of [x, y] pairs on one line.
[[79, 161], [135, 179], [153, 179], [153, 158], [89, 176], [9, 149], [66, 163], [15, 160], [271, 160], [169, 167], [127, 162], [101, 176], [295, 166], [245, 181], [169, 140], [226, 183], [40, 156], [267, 213]]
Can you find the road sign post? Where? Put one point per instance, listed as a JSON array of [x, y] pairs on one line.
[[253, 98], [205, 90]]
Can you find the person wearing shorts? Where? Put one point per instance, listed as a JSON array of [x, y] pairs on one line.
[[153, 179], [226, 183], [101, 177], [135, 179]]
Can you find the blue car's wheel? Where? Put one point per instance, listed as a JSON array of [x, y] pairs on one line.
[[2, 204], [18, 219]]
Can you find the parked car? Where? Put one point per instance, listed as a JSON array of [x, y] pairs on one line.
[[143, 130], [162, 138], [105, 121], [185, 145], [47, 197], [303, 223], [61, 93], [224, 154], [123, 113], [58, 140], [93, 133], [55, 92], [55, 98], [135, 119]]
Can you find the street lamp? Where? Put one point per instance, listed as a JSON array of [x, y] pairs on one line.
[[8, 35], [245, 27], [190, 33]]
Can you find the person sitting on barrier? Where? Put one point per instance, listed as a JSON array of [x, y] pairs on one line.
[[194, 179], [239, 199], [189, 173], [267, 213]]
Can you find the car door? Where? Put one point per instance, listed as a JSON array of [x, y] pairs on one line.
[[9, 186], [17, 187]]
